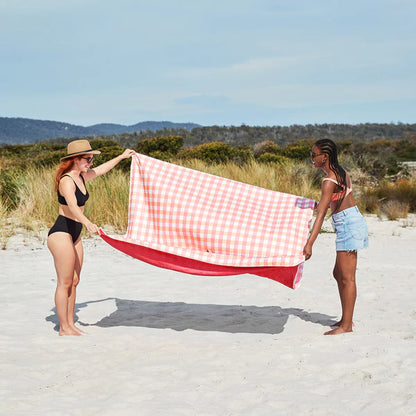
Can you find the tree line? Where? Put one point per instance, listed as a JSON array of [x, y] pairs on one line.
[[281, 135]]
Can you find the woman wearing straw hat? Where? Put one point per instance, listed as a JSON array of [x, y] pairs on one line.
[[64, 241]]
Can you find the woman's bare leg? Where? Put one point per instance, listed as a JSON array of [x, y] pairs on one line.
[[62, 248], [347, 265], [79, 257], [338, 277]]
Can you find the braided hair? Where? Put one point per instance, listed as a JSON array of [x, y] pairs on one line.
[[329, 148]]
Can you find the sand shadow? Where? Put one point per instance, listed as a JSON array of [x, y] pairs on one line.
[[200, 317], [53, 317]]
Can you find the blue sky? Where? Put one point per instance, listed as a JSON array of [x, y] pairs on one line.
[[226, 62]]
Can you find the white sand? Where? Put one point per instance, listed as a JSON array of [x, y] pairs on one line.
[[165, 343]]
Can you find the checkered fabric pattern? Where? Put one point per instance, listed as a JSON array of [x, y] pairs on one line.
[[212, 219]]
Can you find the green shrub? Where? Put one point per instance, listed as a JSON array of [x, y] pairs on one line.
[[241, 155], [161, 147], [299, 150], [99, 144], [217, 152], [109, 150], [344, 146], [48, 159], [158, 154], [271, 158], [266, 147], [38, 154], [405, 149]]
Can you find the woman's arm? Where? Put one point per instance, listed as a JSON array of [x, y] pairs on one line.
[[326, 194], [67, 190], [107, 166]]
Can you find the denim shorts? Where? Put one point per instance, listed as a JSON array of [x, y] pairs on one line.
[[351, 229]]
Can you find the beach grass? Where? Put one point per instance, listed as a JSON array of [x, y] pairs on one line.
[[5, 229], [108, 204], [393, 210], [291, 177], [35, 207], [36, 198], [33, 203]]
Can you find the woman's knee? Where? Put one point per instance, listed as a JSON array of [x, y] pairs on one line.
[[75, 280], [337, 274], [348, 278], [65, 283]]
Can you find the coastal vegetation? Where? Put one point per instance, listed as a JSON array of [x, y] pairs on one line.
[[382, 185], [26, 131]]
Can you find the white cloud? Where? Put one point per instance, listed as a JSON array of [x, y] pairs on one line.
[[251, 67]]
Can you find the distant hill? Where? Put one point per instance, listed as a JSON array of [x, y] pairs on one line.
[[26, 130]]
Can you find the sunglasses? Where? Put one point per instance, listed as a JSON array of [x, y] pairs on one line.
[[89, 159]]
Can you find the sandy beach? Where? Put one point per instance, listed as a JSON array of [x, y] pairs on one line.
[[164, 343]]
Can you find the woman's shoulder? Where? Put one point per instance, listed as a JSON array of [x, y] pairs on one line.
[[67, 180], [330, 178]]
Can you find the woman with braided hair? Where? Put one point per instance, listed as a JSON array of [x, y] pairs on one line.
[[349, 224]]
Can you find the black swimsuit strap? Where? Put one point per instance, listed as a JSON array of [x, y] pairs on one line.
[[69, 176], [74, 180]]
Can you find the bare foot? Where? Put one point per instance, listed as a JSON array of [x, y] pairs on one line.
[[69, 331], [337, 331], [340, 324], [75, 328]]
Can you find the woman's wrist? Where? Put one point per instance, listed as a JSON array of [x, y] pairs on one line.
[[87, 222]]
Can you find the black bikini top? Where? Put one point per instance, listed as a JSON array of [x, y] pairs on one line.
[[81, 198]]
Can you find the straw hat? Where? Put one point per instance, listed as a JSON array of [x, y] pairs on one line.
[[79, 147]]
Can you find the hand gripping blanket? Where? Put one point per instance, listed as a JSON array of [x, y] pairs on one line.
[[202, 224]]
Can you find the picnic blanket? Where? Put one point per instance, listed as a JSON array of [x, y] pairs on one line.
[[197, 223]]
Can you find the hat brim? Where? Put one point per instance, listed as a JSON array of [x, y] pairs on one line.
[[85, 152]]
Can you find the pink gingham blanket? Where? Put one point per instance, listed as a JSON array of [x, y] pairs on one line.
[[214, 220]]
